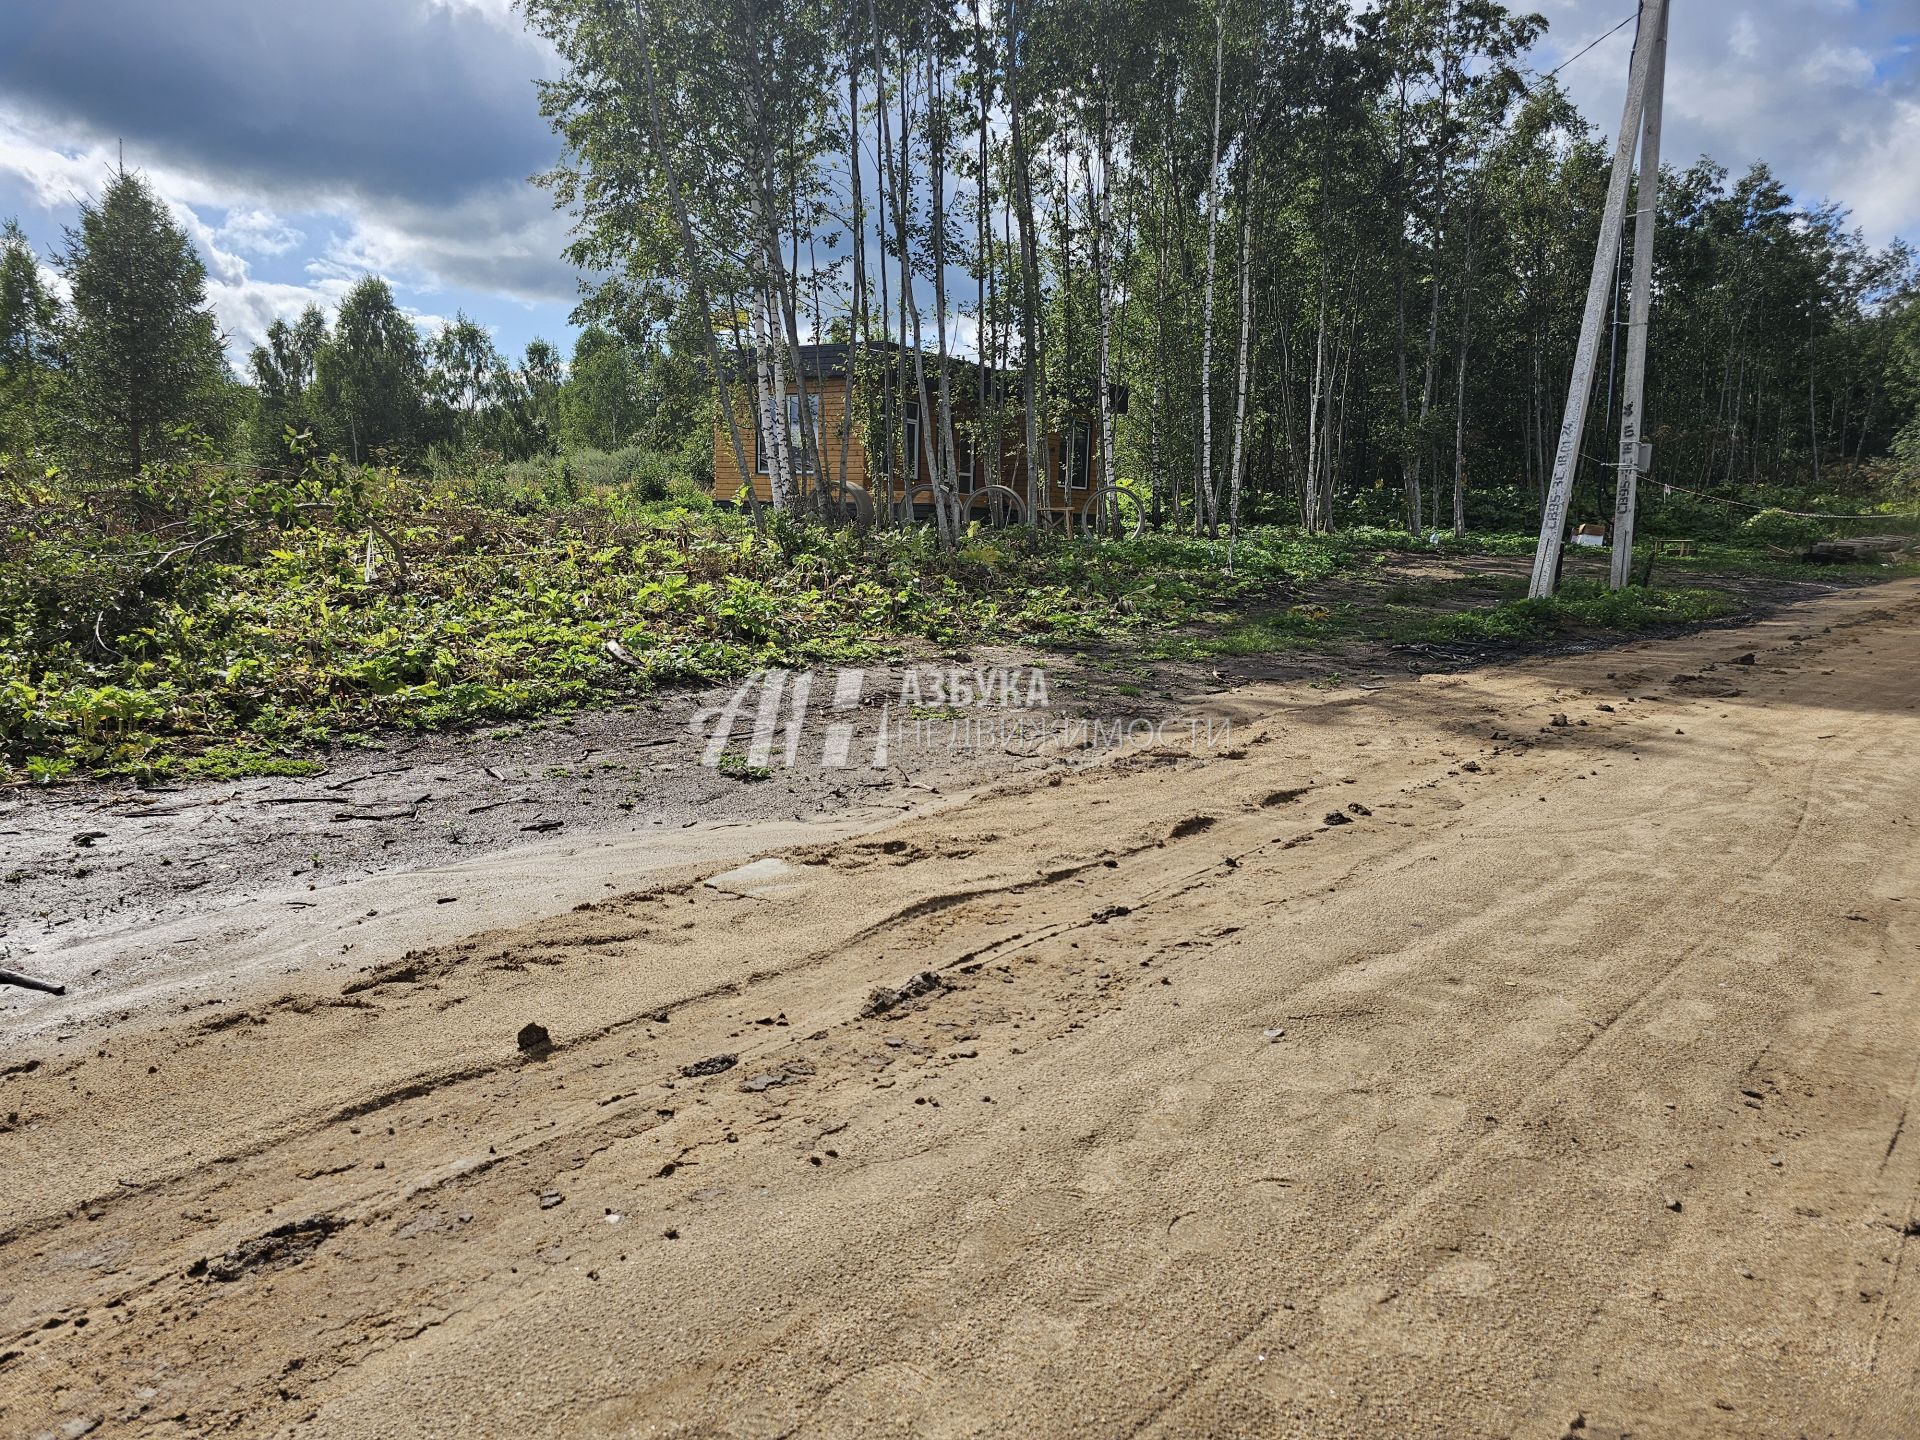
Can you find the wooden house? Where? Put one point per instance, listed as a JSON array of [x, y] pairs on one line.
[[1066, 483]]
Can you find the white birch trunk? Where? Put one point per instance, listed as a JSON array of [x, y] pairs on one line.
[[1240, 373], [1037, 476], [1103, 285], [1203, 481], [1315, 520], [946, 470], [856, 323], [720, 371], [773, 407]]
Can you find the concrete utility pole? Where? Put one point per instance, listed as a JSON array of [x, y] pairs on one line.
[[1553, 521], [1635, 455]]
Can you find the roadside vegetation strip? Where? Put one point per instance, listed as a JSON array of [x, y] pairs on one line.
[[1490, 612], [296, 627], [1580, 607], [276, 622]]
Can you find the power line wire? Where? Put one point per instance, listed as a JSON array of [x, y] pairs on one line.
[[1590, 44], [1743, 505], [1740, 504]]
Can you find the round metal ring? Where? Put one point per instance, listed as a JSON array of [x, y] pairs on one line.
[[1093, 514], [998, 495]]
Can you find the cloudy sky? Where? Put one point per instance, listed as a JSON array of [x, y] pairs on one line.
[[305, 144]]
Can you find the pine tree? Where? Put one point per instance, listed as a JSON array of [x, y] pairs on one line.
[[143, 351]]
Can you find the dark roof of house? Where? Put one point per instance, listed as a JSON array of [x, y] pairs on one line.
[[829, 360]]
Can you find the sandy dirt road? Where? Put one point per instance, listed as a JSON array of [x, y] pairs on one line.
[[1561, 1088]]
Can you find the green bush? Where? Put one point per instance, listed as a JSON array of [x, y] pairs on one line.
[[1580, 605], [1780, 530], [243, 623], [647, 476], [429, 604]]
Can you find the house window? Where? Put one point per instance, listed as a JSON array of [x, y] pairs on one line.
[[911, 437], [1080, 461], [796, 438], [1074, 454], [967, 477]]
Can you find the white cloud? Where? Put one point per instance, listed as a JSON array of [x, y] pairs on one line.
[[52, 178], [55, 282], [1838, 64], [244, 305], [1880, 178], [56, 178], [1744, 42], [247, 308], [1823, 91], [259, 231], [503, 13]]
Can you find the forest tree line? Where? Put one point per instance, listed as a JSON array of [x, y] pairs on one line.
[[1336, 260], [1337, 256], [128, 368]]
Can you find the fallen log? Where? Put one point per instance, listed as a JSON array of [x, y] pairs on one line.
[[1864, 547], [27, 982]]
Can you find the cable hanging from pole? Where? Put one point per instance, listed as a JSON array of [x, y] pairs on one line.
[[1589, 45]]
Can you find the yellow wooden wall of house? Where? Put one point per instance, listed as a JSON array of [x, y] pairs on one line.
[[833, 409], [1056, 494]]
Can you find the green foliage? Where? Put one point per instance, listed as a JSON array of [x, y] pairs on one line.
[[1725, 558], [734, 766], [601, 407], [527, 487], [642, 474], [463, 374], [370, 379], [284, 370], [1294, 628], [240, 762], [273, 614], [251, 627], [369, 387], [29, 344], [1579, 606], [1782, 530], [142, 355], [1903, 350], [478, 402]]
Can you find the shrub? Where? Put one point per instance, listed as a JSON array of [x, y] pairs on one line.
[[1781, 530], [633, 472]]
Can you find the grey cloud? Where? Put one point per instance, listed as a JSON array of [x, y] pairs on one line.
[[414, 122], [503, 238], [376, 98]]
